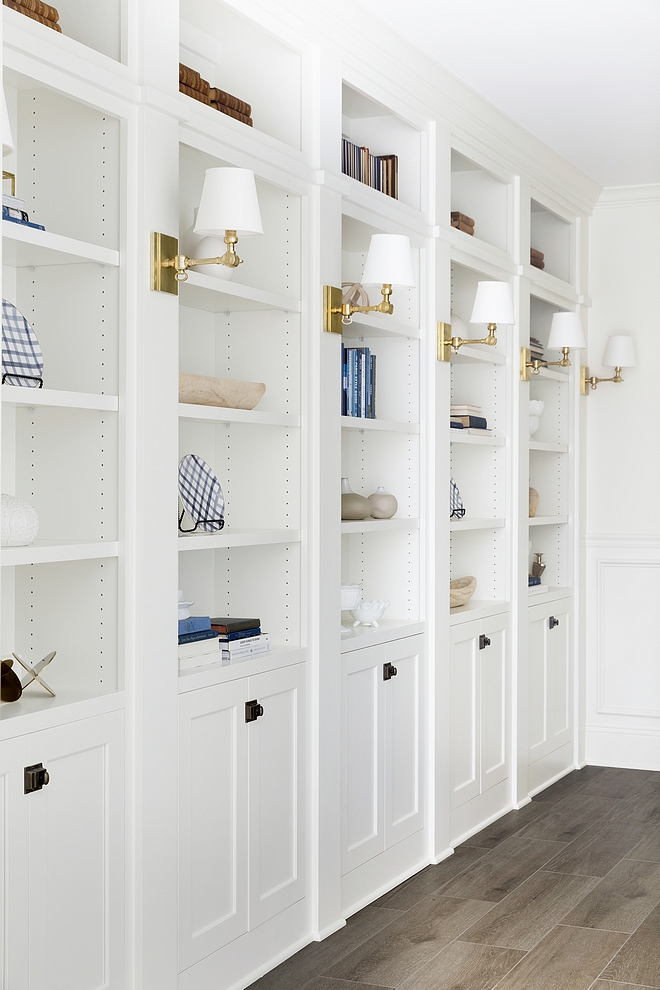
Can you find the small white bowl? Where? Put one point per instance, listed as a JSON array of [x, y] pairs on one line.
[[351, 596], [368, 613]]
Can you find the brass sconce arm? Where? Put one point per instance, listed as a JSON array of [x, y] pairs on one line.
[[337, 314], [446, 342], [527, 366], [168, 267], [593, 382]]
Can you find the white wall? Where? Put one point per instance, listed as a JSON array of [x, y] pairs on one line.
[[623, 486]]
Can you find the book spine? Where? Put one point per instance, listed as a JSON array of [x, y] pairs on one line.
[[363, 382], [197, 637], [462, 218], [42, 9], [249, 652], [196, 623], [219, 96], [232, 646], [233, 113], [373, 386], [463, 226], [242, 634], [344, 380], [194, 94], [189, 77], [478, 422], [46, 21], [354, 382], [26, 223]]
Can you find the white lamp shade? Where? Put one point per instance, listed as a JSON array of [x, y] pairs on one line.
[[229, 202], [388, 261], [620, 352], [493, 304], [566, 331], [7, 139]]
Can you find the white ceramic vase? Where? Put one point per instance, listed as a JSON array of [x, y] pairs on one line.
[[20, 522], [536, 407], [383, 505]]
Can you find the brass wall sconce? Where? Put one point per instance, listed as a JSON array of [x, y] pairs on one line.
[[619, 353], [229, 208], [493, 305], [388, 264], [565, 333]]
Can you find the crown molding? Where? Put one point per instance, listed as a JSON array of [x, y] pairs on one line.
[[617, 196]]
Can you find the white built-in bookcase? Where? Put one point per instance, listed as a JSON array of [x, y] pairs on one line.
[[101, 162]]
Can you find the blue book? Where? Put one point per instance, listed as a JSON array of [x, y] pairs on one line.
[[24, 223], [242, 634], [354, 382], [532, 582], [195, 623], [195, 637], [373, 386]]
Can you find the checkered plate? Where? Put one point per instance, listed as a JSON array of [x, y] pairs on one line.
[[201, 494]]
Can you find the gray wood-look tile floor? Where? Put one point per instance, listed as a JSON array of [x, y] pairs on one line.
[[562, 895]]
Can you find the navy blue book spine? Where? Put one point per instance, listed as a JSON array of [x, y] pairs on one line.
[[195, 637]]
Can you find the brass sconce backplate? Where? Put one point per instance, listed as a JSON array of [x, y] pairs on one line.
[[584, 381], [525, 361], [163, 248], [444, 341], [332, 301]]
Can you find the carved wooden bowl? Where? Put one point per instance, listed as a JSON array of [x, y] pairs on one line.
[[461, 591]]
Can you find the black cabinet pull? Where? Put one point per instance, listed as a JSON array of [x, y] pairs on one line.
[[552, 622], [389, 671], [253, 710], [484, 641], [34, 778]]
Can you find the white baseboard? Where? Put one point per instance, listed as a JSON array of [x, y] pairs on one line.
[[636, 749]]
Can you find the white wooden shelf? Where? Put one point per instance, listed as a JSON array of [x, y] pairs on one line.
[[476, 609], [56, 551], [370, 325], [378, 525], [37, 710], [389, 630], [217, 414], [382, 425], [548, 520], [219, 295], [473, 354], [550, 374], [459, 436], [221, 671], [15, 395], [363, 200], [551, 595], [25, 246], [465, 524], [545, 280], [227, 538], [466, 249], [551, 448]]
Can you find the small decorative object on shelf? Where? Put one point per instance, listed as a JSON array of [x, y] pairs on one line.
[[461, 222], [354, 293], [192, 84], [534, 499], [389, 265], [240, 638], [468, 418], [368, 613], [351, 596], [536, 407], [536, 258], [353, 506], [10, 684], [461, 591], [381, 172], [229, 393], [37, 11], [22, 360], [34, 673], [184, 608], [358, 382], [201, 496], [538, 566], [456, 507], [383, 504], [12, 687], [20, 522]]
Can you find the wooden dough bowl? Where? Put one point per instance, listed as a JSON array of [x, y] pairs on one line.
[[461, 591], [202, 390]]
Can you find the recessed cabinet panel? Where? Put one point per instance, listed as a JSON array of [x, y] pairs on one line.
[[403, 808], [550, 672], [537, 684], [465, 783], [277, 779], [492, 676], [364, 835], [558, 677], [213, 796]]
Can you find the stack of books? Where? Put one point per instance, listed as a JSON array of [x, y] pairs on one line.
[[240, 638], [12, 209], [38, 11], [231, 105], [358, 394], [536, 349], [536, 258], [468, 418], [381, 172], [461, 222], [198, 642], [192, 84]]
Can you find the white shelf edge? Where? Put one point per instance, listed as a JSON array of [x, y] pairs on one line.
[[226, 539], [235, 290], [15, 395], [383, 425], [36, 710], [551, 448], [548, 520], [374, 324], [378, 525], [551, 595], [550, 375], [473, 248], [53, 552], [476, 609], [457, 436], [220, 671], [472, 354], [457, 525], [362, 197], [221, 414], [389, 630], [46, 240]]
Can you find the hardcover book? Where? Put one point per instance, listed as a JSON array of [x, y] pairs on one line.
[[228, 625]]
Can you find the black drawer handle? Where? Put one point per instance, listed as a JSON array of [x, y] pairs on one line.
[[484, 641], [552, 622]]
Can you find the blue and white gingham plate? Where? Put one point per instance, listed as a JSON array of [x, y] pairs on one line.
[[22, 360], [201, 495]]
